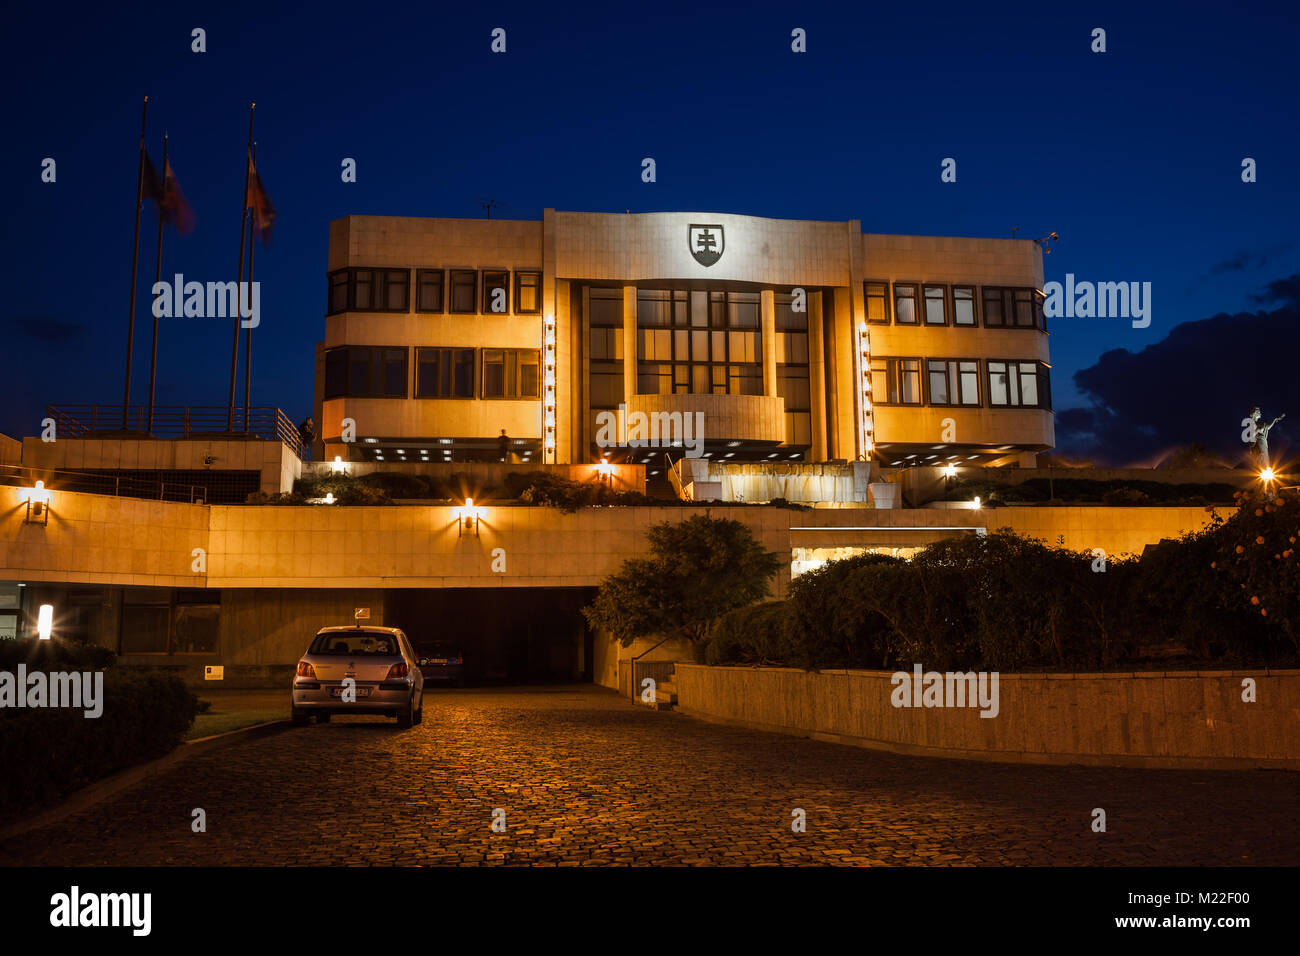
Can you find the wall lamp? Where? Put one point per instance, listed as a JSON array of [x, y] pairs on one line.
[[44, 621], [606, 471], [338, 466], [38, 505], [467, 520]]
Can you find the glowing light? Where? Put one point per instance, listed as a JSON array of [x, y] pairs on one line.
[[338, 467], [976, 503], [45, 621], [1266, 475], [329, 497], [950, 471]]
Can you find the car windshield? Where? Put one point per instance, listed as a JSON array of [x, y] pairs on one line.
[[355, 644]]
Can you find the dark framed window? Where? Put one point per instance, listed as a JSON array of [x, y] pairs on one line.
[[606, 306], [963, 305], [444, 373], [353, 371], [512, 373], [1018, 308], [953, 381], [936, 304], [496, 292], [877, 299], [905, 303], [169, 621], [528, 292], [430, 290], [896, 381], [369, 290], [701, 343], [605, 379], [464, 291], [1015, 383]]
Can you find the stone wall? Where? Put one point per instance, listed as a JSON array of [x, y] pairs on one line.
[[1172, 719]]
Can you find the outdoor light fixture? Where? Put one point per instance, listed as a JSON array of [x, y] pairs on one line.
[[976, 503], [467, 520], [1267, 475], [38, 505], [606, 471], [548, 389], [338, 467], [950, 471], [329, 497], [45, 621], [866, 429]]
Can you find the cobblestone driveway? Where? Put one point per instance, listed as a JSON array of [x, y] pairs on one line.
[[586, 777]]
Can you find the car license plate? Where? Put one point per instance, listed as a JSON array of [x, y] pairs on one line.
[[438, 660], [360, 691]]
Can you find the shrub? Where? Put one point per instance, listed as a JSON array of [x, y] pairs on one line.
[[50, 752], [55, 654], [758, 634]]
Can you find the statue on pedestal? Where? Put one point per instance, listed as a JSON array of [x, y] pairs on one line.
[[1256, 436]]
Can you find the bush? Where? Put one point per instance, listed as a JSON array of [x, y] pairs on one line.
[[50, 752], [758, 634], [55, 654], [552, 490]]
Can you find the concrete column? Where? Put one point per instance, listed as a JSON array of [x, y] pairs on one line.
[[767, 299], [629, 343], [846, 424], [817, 377]]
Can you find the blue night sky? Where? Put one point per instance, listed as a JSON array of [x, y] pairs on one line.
[[1132, 156]]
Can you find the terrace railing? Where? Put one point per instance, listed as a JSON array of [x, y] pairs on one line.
[[175, 421]]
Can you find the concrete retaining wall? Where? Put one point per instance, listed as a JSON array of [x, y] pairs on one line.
[[1185, 720]]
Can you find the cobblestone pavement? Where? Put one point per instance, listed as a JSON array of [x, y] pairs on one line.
[[586, 777]]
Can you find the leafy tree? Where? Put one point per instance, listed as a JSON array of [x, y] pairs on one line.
[[697, 571]]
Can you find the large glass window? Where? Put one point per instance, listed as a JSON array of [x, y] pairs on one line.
[[699, 342], [365, 372], [169, 621], [1013, 383], [787, 319], [512, 373], [605, 380], [953, 381], [444, 373], [905, 303], [1013, 308]]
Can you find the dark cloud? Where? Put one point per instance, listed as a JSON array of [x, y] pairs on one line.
[[1195, 385], [54, 331]]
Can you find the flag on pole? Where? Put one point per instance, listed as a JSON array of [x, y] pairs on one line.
[[167, 193], [260, 203], [176, 209]]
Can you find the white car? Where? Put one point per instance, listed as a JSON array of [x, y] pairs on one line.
[[359, 670]]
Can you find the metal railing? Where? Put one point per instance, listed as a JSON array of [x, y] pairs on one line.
[[121, 486], [175, 421]]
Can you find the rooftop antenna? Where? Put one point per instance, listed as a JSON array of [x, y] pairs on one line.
[[1014, 230], [490, 204]]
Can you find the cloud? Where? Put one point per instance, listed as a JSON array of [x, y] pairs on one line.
[[43, 329], [1195, 385]]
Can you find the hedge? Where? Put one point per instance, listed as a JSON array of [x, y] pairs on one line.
[[1227, 595], [50, 752]]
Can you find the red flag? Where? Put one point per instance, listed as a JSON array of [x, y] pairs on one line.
[[260, 203], [176, 210]]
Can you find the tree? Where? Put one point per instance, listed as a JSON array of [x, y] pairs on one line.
[[697, 571]]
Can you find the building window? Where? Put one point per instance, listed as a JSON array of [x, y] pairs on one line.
[[699, 344], [365, 372], [896, 381], [1013, 308], [496, 292], [936, 304], [877, 296], [369, 290], [167, 621], [430, 286], [787, 319], [605, 378], [512, 373], [963, 305], [528, 292], [1013, 383], [905, 303], [953, 381], [444, 373], [464, 290], [606, 307]]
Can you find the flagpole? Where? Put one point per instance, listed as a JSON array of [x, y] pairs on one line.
[[135, 262], [157, 277], [239, 277], [248, 332]]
